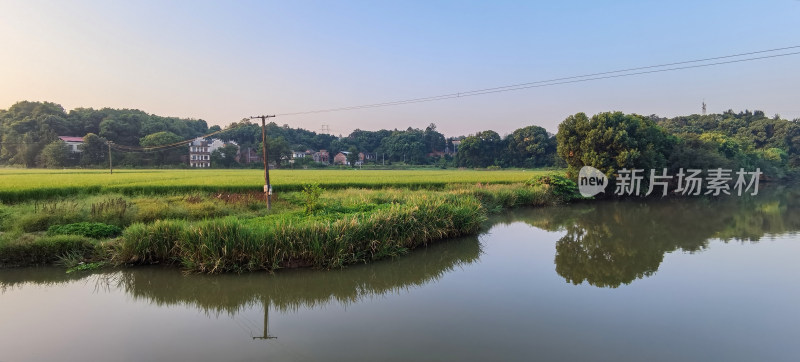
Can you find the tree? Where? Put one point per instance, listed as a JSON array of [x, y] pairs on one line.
[[407, 146], [278, 150], [352, 155], [480, 150], [434, 141], [123, 129], [27, 128], [612, 141], [224, 156], [55, 154], [530, 147], [93, 150], [166, 155]]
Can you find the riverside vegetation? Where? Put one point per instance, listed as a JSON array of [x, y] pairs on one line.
[[310, 225]]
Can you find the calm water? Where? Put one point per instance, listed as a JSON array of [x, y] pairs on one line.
[[674, 280]]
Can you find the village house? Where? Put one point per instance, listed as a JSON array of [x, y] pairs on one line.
[[456, 143], [216, 144], [72, 142], [248, 155], [199, 153], [340, 158], [321, 157]]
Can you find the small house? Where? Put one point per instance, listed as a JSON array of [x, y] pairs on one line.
[[72, 142]]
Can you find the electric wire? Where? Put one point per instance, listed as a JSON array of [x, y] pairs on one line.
[[566, 80]]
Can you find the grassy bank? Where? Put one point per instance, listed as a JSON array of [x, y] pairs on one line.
[[224, 232]]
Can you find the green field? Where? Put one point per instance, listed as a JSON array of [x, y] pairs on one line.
[[22, 184], [216, 220]]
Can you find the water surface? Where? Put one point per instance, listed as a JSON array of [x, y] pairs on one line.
[[691, 279]]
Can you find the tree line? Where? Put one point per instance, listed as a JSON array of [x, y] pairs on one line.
[[609, 141]]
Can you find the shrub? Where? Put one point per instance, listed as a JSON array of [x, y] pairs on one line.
[[560, 186], [94, 230], [312, 193]]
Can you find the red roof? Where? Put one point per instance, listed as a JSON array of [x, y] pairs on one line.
[[71, 139]]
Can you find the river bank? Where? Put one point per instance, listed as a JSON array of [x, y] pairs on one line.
[[232, 232]]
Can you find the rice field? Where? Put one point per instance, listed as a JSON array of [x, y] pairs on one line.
[[24, 184]]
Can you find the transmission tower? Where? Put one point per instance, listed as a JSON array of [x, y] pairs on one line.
[[325, 128]]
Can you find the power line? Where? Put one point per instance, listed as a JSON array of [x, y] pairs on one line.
[[119, 147], [567, 80]]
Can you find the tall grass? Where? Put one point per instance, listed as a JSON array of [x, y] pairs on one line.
[[230, 244], [44, 250]]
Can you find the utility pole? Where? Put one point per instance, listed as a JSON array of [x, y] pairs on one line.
[[110, 168], [267, 186]]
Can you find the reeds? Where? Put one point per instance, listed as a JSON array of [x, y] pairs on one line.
[[230, 244]]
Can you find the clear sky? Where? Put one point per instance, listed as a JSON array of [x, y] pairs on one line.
[[224, 60]]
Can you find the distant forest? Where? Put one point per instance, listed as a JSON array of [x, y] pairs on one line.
[[29, 137]]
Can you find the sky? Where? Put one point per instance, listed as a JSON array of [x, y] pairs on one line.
[[222, 61]]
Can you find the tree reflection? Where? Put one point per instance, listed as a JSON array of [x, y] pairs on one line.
[[608, 244]]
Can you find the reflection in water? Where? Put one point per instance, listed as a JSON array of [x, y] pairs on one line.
[[605, 244], [287, 290], [612, 243], [497, 299]]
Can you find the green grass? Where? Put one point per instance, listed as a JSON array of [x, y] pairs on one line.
[[26, 250], [28, 184], [222, 231]]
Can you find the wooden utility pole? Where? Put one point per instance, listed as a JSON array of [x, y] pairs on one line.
[[267, 185], [110, 168]]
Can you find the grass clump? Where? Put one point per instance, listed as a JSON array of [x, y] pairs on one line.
[[87, 266], [231, 244], [44, 250], [93, 230], [558, 185]]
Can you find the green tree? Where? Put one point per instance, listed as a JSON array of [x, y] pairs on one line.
[[27, 127], [530, 146], [481, 150], [164, 156], [55, 154], [612, 141], [93, 150], [278, 150], [434, 141], [407, 146], [225, 156], [352, 155]]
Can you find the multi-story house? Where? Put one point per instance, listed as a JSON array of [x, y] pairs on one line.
[[199, 153]]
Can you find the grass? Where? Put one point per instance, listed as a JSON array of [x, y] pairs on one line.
[[27, 250], [28, 184], [231, 244], [223, 231]]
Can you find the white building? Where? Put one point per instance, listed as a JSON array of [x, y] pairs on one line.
[[199, 153], [72, 142]]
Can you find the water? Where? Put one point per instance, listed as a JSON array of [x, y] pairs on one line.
[[657, 281]]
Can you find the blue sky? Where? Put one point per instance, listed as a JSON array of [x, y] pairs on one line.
[[222, 61]]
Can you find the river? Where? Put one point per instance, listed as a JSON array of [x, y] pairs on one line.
[[672, 280]]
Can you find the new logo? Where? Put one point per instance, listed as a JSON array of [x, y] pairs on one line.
[[591, 181]]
